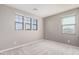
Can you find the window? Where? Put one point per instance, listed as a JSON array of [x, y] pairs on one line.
[[25, 23], [34, 24], [19, 22], [30, 23], [68, 24]]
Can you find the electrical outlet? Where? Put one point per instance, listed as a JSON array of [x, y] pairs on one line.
[[68, 41], [15, 43]]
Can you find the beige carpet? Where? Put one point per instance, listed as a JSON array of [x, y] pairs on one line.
[[44, 47]]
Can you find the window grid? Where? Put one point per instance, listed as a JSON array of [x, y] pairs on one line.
[[25, 24], [18, 22], [67, 25], [36, 27]]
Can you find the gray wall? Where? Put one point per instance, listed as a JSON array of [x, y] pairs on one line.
[[53, 31], [9, 37]]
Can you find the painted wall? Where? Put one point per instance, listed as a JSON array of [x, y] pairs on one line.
[[53, 28], [9, 37]]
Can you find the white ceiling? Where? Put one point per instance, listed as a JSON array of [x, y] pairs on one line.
[[44, 10]]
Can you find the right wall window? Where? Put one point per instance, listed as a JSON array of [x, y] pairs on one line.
[[68, 24]]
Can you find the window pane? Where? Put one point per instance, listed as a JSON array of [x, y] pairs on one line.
[[34, 21], [69, 29], [68, 20], [34, 27], [27, 19], [27, 26], [18, 18], [18, 26]]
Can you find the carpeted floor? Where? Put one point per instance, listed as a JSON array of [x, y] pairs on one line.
[[44, 47]]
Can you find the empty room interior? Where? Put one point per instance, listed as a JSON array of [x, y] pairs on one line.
[[39, 29]]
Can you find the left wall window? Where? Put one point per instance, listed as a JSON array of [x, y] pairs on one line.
[[19, 22]]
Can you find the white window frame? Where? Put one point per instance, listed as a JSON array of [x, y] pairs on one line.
[[19, 22], [68, 25], [26, 25]]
